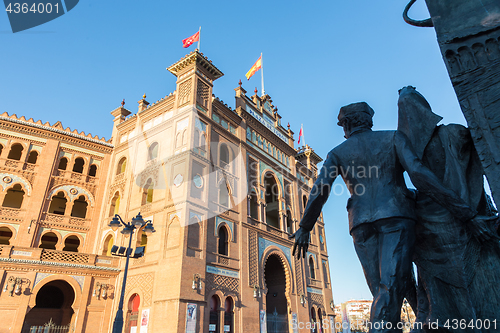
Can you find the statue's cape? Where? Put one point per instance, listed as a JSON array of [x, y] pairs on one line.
[[416, 119]]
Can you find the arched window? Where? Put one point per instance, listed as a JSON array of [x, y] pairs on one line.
[[71, 244], [203, 141], [312, 272], [224, 155], [115, 204], [223, 241], [93, 170], [32, 157], [224, 194], [289, 222], [58, 204], [254, 206], [16, 151], [108, 244], [178, 140], [78, 166], [79, 207], [272, 201], [153, 151], [133, 314], [1, 149], [229, 315], [122, 165], [320, 320], [5, 236], [142, 239], [49, 241], [194, 233], [14, 197], [313, 320], [196, 140], [214, 312], [147, 192], [304, 202], [63, 163]]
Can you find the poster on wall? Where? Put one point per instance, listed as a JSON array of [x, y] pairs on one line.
[[263, 322], [144, 321], [191, 318], [295, 323]]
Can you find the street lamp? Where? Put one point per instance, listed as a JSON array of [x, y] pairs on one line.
[[137, 223]]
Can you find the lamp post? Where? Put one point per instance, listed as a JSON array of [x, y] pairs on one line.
[[128, 230]]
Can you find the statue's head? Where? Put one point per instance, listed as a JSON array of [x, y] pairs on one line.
[[355, 115]]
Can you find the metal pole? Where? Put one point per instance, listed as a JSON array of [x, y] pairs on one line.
[[118, 323]]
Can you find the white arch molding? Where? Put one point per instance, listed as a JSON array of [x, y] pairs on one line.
[[73, 192]]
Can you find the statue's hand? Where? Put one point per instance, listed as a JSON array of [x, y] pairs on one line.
[[302, 239], [480, 228]]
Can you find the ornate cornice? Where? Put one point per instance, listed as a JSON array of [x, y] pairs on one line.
[[198, 58]]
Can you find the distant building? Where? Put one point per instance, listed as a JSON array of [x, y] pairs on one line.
[[223, 187], [358, 312]]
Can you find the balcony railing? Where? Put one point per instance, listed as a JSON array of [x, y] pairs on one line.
[[11, 214], [68, 221], [46, 255]]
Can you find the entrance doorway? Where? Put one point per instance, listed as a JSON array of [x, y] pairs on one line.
[[276, 303], [53, 305]]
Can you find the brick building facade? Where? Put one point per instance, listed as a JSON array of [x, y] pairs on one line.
[[223, 187]]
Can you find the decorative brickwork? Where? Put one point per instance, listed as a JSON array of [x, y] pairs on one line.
[[316, 299], [184, 92], [253, 258], [145, 283], [223, 283], [298, 273], [202, 93]]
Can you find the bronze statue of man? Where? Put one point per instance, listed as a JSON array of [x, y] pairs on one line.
[[458, 274], [381, 209]]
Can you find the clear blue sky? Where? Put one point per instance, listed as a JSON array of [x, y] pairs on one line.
[[318, 56]]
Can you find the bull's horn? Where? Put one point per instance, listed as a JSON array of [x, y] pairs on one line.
[[417, 23]]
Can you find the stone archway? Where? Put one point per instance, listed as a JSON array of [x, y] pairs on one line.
[[53, 303], [276, 300]]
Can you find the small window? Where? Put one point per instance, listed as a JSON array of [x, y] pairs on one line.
[[14, 197], [254, 206], [1, 149], [79, 163], [223, 194], [58, 204], [224, 154], [33, 156], [153, 151], [93, 170], [108, 244], [223, 241], [122, 165], [49, 241], [5, 236], [79, 207], [71, 244], [115, 204], [63, 163], [147, 192], [311, 268], [15, 152]]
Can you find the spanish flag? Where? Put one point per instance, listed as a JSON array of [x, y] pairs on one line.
[[255, 68]]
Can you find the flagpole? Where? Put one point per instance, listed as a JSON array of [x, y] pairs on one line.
[[262, 73], [303, 136], [199, 38]]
